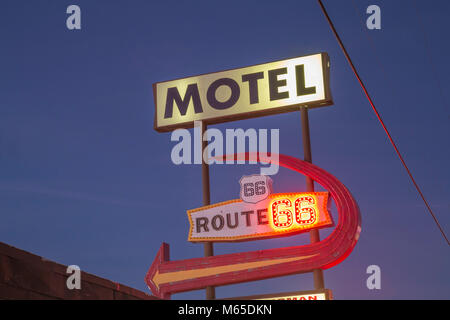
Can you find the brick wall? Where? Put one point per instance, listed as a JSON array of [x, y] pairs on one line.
[[24, 275]]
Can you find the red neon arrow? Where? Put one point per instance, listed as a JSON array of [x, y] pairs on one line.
[[167, 277]]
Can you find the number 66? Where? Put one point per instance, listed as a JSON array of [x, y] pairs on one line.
[[305, 214]]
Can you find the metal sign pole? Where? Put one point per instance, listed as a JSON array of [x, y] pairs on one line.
[[208, 248], [314, 235]]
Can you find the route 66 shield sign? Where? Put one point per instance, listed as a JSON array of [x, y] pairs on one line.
[[255, 188]]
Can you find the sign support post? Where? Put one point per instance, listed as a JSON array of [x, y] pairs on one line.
[[208, 248], [314, 235]]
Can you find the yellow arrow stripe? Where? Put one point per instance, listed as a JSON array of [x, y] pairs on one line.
[[162, 278]]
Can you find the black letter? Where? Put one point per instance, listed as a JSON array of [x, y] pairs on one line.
[[261, 216], [203, 224], [174, 95], [211, 94], [300, 74], [247, 217], [274, 83], [214, 225], [252, 79], [236, 221]]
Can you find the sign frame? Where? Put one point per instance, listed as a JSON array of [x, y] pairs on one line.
[[327, 101], [325, 220]]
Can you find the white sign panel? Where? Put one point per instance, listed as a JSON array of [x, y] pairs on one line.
[[259, 90], [278, 215]]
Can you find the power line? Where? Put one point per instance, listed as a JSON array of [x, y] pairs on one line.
[[347, 56]]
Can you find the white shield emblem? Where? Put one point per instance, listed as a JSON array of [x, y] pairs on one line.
[[255, 188]]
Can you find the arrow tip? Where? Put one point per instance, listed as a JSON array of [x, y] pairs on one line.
[[151, 278]]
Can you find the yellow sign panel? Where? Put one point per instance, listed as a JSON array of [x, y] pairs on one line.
[[248, 92], [312, 295]]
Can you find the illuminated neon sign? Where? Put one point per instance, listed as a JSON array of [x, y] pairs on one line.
[[280, 214], [305, 212], [312, 295], [254, 91], [166, 276]]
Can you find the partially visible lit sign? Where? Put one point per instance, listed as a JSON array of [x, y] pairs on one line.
[[258, 90], [324, 294], [280, 214]]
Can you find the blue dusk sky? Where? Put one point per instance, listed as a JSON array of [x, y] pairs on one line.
[[86, 180]]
